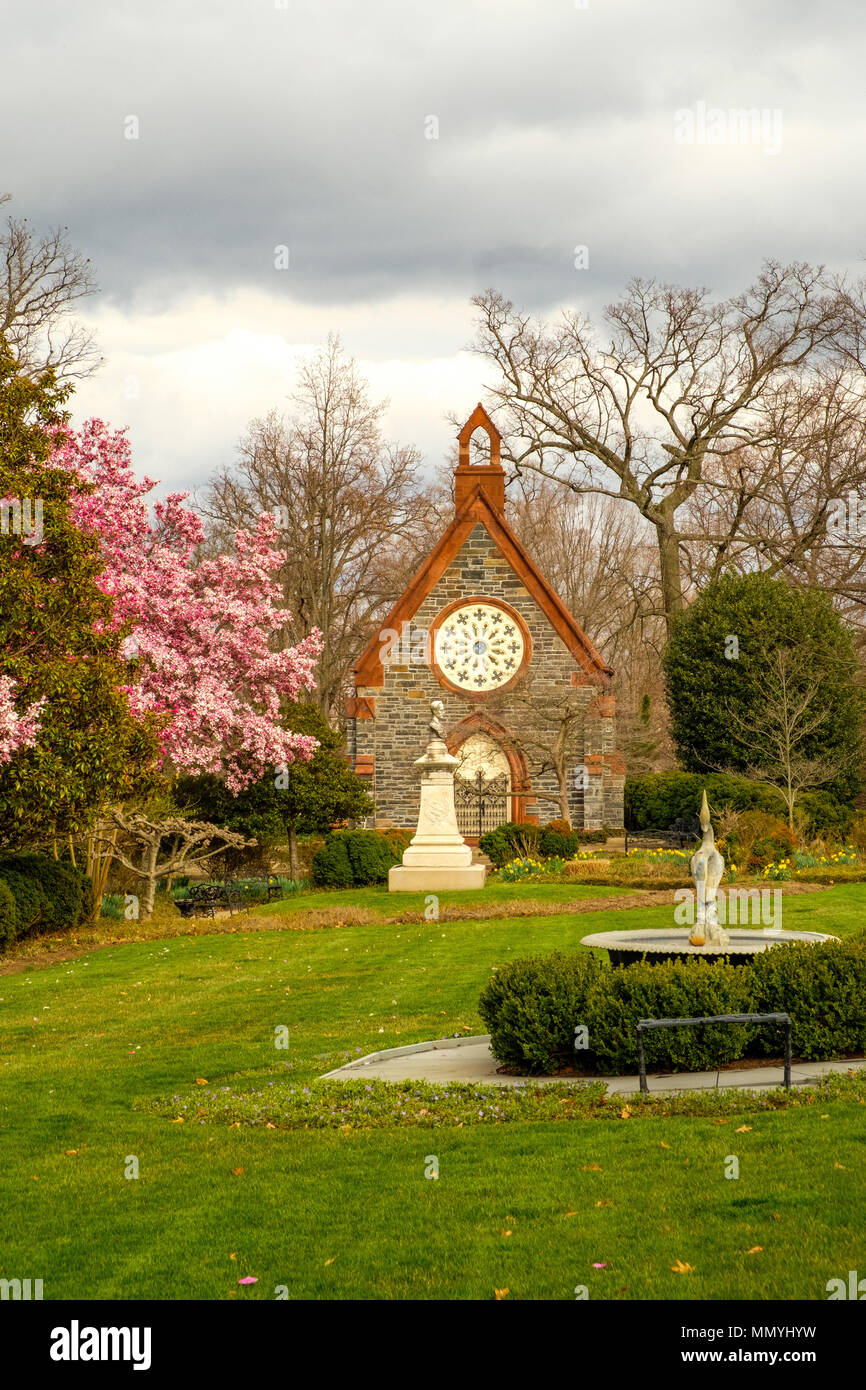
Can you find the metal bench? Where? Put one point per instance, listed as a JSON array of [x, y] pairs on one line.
[[645, 1024]]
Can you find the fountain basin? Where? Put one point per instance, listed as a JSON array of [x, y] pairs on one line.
[[624, 947]]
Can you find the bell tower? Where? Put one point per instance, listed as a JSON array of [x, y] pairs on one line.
[[490, 475]]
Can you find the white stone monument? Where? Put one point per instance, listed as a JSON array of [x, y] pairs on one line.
[[438, 857]]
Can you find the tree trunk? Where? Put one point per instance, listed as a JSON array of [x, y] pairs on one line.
[[669, 571], [149, 860], [294, 858]]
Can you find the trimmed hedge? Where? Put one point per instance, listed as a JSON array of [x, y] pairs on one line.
[[555, 844], [532, 1007], [831, 976], [656, 800], [353, 859], [8, 914], [48, 894], [671, 989], [59, 885], [29, 899]]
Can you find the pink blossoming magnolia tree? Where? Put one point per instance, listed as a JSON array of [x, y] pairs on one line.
[[201, 633]]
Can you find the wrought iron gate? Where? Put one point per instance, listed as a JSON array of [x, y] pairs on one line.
[[481, 803]]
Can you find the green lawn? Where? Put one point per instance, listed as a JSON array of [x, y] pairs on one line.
[[144, 1021], [390, 904]]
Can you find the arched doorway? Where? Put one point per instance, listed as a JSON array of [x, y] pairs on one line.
[[482, 785]]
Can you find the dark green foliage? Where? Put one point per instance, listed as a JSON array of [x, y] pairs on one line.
[[497, 846], [765, 615], [554, 845], [823, 988], [656, 800], [533, 1006], [672, 989], [30, 903], [332, 867], [88, 897], [511, 840], [8, 915], [353, 859], [58, 884], [370, 856]]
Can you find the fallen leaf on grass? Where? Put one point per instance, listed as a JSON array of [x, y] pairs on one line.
[[603, 1265], [200, 1081], [500, 1294], [840, 1165], [330, 1261], [604, 1204], [591, 1168], [70, 1153], [178, 1121], [681, 1268], [269, 1125], [571, 1213], [744, 1129], [505, 1233], [236, 1172], [663, 1145], [233, 1256], [720, 1122], [755, 1250], [776, 1216]]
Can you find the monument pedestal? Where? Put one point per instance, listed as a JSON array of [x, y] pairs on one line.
[[438, 857]]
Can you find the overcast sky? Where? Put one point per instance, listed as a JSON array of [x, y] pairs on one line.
[[306, 124]]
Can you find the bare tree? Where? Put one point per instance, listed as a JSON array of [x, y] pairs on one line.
[[41, 278], [682, 382], [189, 842], [549, 735], [354, 515], [779, 736]]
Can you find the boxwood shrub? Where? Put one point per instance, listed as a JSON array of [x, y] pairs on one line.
[[671, 989], [823, 988], [58, 884], [49, 894], [29, 898], [353, 859], [532, 1007], [555, 844], [8, 915]]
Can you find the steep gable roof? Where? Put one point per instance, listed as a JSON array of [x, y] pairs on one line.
[[474, 509]]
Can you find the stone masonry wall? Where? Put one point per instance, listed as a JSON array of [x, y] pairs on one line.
[[398, 734]]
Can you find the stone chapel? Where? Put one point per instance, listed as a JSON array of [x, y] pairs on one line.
[[481, 629]]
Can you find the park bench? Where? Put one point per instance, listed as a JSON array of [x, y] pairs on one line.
[[680, 834]]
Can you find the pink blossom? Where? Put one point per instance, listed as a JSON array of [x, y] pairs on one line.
[[201, 632], [16, 731]]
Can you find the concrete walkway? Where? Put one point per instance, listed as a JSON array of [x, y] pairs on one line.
[[470, 1059]]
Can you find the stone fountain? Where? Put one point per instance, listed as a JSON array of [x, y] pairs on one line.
[[707, 937], [438, 858]]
